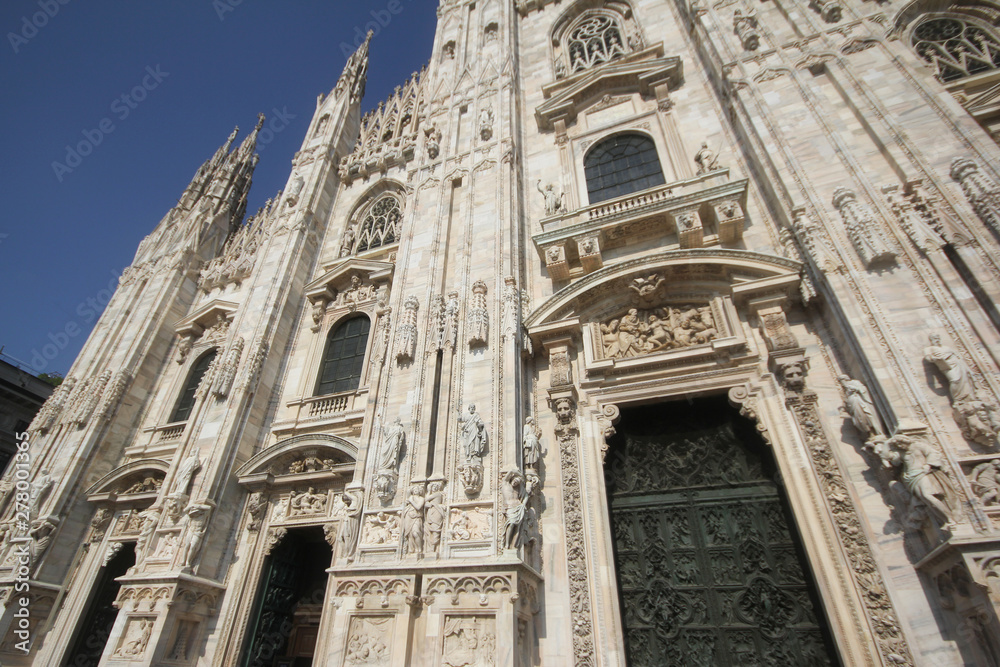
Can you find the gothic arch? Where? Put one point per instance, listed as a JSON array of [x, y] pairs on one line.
[[376, 219], [590, 33]]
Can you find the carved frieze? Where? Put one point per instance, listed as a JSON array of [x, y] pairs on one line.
[[469, 641], [470, 524], [369, 641], [637, 332], [380, 529]]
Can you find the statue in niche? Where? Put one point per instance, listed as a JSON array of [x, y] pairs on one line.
[[433, 516], [185, 472], [38, 492], [197, 520], [347, 242], [923, 477], [515, 504], [486, 124], [475, 438], [149, 517], [393, 439], [531, 448], [412, 520], [706, 159], [956, 372], [975, 417], [553, 200], [347, 539], [433, 142], [859, 406]]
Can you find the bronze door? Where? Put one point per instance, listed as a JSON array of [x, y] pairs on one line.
[[709, 572]]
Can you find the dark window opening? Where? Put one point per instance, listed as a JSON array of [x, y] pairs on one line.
[[94, 630], [623, 164], [185, 403], [344, 357]]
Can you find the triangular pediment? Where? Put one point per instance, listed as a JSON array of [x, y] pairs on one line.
[[641, 72], [338, 276]]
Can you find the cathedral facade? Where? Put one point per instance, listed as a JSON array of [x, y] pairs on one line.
[[625, 332]]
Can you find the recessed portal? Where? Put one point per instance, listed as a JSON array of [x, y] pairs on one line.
[[285, 621], [710, 568], [93, 632]]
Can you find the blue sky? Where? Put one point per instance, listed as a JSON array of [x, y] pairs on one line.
[[190, 70]]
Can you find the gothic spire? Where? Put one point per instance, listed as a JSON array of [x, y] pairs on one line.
[[355, 74]]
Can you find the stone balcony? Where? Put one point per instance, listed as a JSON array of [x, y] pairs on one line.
[[345, 409], [693, 213]]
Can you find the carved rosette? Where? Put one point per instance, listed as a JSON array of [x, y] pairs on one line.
[[478, 318], [881, 614], [406, 333], [862, 229]]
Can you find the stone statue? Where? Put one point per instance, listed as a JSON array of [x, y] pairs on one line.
[[393, 439], [38, 492], [348, 537], [515, 503], [859, 406], [149, 517], [412, 520], [959, 376], [197, 520], [308, 502], [347, 242], [530, 445], [474, 436], [923, 476], [486, 124], [434, 516], [186, 471], [707, 160], [553, 200]]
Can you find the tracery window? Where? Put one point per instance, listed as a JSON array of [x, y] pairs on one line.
[[380, 225], [596, 39], [957, 47], [344, 357], [187, 398], [620, 165]]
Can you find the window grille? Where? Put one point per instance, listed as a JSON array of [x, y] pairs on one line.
[[344, 357], [956, 47], [622, 164], [381, 224]]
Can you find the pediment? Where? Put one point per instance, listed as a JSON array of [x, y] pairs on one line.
[[206, 317], [300, 458], [135, 480], [739, 274], [339, 276], [642, 71]]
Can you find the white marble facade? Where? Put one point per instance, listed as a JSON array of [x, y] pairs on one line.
[[821, 249]]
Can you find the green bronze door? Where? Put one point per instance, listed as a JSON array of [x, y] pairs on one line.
[[709, 572]]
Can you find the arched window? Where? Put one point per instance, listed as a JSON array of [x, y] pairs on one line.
[[596, 39], [622, 164], [186, 401], [380, 225], [343, 357], [956, 46]]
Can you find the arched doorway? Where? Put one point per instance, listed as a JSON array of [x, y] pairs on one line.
[[284, 625], [95, 628], [710, 568]]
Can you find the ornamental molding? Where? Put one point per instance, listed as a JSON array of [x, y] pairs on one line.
[[285, 459], [741, 273], [116, 481], [643, 71]]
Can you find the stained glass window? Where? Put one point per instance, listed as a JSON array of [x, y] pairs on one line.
[[186, 401], [381, 224], [597, 39], [343, 357]]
